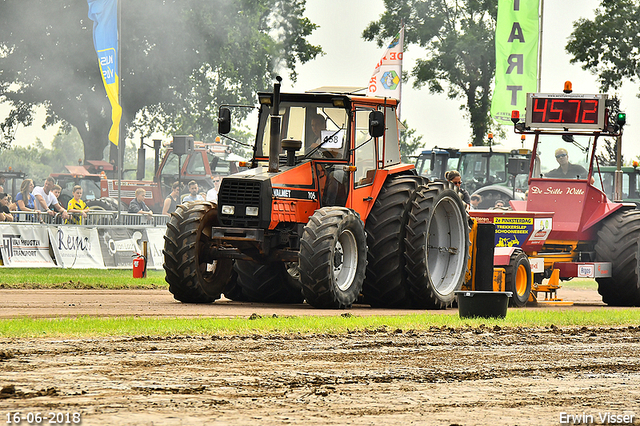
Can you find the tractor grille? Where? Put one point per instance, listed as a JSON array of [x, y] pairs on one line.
[[240, 194]]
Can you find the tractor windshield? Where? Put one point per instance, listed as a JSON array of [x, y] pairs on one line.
[[322, 128], [562, 157]]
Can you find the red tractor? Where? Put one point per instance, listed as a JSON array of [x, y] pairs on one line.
[[567, 226], [325, 213]]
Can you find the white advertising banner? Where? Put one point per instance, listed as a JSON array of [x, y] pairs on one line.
[[25, 246], [76, 247], [155, 237]]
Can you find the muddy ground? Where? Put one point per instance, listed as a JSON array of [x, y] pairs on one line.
[[481, 376]]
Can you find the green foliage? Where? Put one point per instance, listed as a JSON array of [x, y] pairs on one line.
[[609, 44], [177, 63], [409, 143], [459, 38], [38, 162]]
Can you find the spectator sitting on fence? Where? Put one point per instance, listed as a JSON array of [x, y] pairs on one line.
[[172, 200], [77, 207], [137, 205], [193, 193], [5, 214], [46, 199]]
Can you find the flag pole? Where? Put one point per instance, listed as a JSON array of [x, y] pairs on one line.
[[120, 123], [540, 46], [400, 95]]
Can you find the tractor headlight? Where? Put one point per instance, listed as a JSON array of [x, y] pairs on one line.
[[252, 211], [228, 210]]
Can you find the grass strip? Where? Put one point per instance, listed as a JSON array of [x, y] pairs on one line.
[[59, 278], [135, 326]]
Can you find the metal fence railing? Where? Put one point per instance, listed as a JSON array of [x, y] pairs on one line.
[[94, 217]]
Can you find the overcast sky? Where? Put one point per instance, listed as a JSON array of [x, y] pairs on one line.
[[349, 61]]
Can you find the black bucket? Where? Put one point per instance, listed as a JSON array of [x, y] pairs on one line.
[[483, 304]]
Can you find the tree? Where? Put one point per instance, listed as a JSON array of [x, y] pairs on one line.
[[179, 58], [459, 38], [38, 162], [609, 44], [409, 143]]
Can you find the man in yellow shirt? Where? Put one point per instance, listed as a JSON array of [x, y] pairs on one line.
[[77, 208]]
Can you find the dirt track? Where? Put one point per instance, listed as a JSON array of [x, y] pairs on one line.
[[385, 376]]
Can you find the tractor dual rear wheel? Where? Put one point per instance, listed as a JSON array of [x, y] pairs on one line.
[[385, 284], [518, 278], [437, 245], [266, 282], [192, 275], [619, 243], [333, 258]]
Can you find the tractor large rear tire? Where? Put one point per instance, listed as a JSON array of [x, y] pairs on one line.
[[385, 284], [192, 275], [619, 243], [518, 278], [333, 258], [266, 282], [437, 245]]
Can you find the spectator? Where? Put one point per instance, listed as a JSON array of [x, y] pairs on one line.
[[193, 193], [77, 207], [46, 199], [454, 177], [12, 205], [212, 194], [2, 181], [172, 200], [500, 205], [25, 199], [137, 205], [56, 191], [475, 201], [5, 214]]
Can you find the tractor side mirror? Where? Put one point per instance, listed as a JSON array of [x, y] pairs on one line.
[[376, 124], [224, 121]]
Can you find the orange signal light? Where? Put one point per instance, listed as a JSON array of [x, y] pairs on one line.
[[243, 163], [490, 135], [522, 138], [635, 163], [568, 87]]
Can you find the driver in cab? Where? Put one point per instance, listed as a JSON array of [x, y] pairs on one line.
[[318, 124], [566, 169]]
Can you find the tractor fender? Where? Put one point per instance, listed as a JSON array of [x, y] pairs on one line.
[[502, 255]]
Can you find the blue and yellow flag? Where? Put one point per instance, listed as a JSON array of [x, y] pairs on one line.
[[104, 14]]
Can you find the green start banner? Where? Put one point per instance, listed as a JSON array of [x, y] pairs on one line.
[[516, 57]]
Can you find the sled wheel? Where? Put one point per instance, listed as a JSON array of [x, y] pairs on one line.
[[518, 278]]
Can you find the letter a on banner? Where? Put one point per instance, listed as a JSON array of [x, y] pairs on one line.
[[387, 76], [104, 14], [516, 57]]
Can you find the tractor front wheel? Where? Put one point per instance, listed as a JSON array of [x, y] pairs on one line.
[[619, 243], [333, 258], [518, 278], [193, 276]]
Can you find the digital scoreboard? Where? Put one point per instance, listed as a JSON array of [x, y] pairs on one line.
[[565, 110]]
